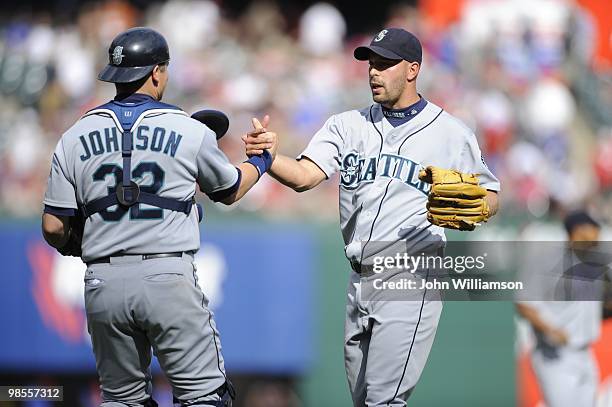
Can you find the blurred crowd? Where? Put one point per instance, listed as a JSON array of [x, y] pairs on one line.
[[520, 73]]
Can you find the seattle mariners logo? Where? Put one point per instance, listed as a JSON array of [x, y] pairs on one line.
[[350, 170], [380, 35], [117, 55]]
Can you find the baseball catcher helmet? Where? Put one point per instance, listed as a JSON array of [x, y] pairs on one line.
[[133, 54]]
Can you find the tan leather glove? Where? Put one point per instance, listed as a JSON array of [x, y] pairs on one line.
[[456, 200]]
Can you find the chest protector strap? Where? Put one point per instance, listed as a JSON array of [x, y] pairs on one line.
[[127, 116]]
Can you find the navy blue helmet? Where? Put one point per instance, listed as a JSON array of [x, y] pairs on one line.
[[133, 54]]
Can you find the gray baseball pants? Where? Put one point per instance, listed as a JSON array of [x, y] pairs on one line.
[[136, 305], [568, 377], [388, 337]]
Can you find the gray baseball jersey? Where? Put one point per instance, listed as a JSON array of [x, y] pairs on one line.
[[136, 303], [379, 153], [381, 197], [566, 299], [171, 153]]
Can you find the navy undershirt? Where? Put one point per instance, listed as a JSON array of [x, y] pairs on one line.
[[133, 98], [397, 117]]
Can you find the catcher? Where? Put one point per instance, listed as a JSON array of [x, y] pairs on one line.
[[120, 195]]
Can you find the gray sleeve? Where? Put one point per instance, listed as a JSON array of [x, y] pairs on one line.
[[471, 161], [217, 177], [60, 189], [325, 147]]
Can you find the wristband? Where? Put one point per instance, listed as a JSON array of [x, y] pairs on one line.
[[262, 162]]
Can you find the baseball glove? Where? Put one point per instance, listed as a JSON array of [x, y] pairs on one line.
[[456, 200], [215, 120]]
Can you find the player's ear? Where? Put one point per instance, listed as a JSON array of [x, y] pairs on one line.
[[155, 75], [158, 70], [413, 70]]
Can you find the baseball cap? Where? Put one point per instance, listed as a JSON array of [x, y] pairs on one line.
[[578, 218], [392, 43]]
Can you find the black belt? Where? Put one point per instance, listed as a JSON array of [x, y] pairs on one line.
[[361, 269], [143, 256], [369, 268]]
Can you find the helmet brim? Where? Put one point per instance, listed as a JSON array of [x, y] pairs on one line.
[[118, 74]]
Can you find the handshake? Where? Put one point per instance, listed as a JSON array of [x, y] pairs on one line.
[[260, 139], [256, 141]]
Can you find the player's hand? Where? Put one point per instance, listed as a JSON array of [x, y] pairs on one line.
[[260, 139], [557, 337]]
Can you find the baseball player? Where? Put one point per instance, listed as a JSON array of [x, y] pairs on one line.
[[565, 329], [128, 171], [388, 154]]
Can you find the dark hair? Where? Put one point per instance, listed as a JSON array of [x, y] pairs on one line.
[[578, 218], [131, 87]]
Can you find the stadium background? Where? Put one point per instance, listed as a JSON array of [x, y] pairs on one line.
[[532, 78]]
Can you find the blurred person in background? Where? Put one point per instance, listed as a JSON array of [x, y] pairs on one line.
[[566, 325]]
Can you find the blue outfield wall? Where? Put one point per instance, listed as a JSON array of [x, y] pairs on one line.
[[261, 292]]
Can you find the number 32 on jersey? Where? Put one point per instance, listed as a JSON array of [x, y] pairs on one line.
[[142, 169]]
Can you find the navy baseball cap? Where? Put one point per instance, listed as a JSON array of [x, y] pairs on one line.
[[392, 43], [578, 218]]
